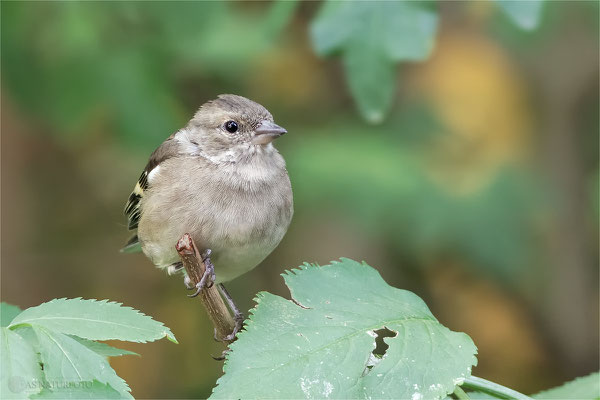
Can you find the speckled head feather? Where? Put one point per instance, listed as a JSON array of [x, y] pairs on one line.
[[234, 103], [231, 106]]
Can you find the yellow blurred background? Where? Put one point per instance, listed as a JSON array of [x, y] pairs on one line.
[[479, 191]]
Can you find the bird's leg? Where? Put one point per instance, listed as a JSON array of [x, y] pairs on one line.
[[238, 316], [207, 262], [208, 278]]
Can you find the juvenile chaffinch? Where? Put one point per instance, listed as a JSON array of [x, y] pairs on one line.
[[221, 180]]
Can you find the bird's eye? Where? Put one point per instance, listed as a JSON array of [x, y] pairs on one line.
[[231, 126]]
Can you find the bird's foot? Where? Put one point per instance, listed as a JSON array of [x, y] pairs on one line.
[[208, 278], [238, 316], [239, 322]]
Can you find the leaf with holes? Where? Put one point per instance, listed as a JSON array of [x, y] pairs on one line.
[[345, 334]]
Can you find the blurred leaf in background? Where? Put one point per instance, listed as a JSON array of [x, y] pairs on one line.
[[524, 14], [374, 37]]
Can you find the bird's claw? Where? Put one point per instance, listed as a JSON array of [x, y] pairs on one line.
[[239, 322], [208, 278]]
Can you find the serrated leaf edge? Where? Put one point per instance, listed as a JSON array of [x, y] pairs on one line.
[[166, 332]]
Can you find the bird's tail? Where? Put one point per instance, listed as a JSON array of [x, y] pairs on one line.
[[132, 246]]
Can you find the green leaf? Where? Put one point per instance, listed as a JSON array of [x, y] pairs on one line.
[[373, 36], [20, 370], [27, 333], [7, 313], [524, 14], [68, 363], [84, 390], [95, 320], [103, 349], [584, 388], [321, 343]]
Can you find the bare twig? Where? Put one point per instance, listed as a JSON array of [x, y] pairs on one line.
[[211, 299]]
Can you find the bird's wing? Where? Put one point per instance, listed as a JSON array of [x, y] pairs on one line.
[[169, 148]]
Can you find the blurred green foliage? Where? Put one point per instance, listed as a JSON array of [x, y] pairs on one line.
[[388, 193], [83, 58], [79, 46], [374, 36]]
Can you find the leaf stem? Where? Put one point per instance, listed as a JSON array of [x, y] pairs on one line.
[[494, 389], [460, 394]]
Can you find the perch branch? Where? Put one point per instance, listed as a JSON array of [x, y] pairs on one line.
[[209, 296]]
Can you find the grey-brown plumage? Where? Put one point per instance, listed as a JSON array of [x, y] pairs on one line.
[[219, 179]]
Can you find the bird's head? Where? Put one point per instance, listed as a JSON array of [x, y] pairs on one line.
[[234, 123]]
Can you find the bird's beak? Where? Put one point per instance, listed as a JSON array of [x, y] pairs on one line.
[[266, 132]]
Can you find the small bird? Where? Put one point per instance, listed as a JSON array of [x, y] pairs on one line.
[[221, 180]]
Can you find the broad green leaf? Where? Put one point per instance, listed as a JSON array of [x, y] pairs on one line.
[[103, 349], [7, 313], [95, 320], [84, 390], [69, 363], [320, 344], [20, 371], [584, 388], [524, 14], [373, 36]]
